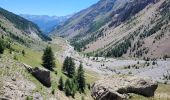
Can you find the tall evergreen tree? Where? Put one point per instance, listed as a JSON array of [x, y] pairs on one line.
[[69, 67], [81, 79], [65, 64], [61, 83], [73, 87], [48, 58], [67, 87], [2, 46], [70, 87]]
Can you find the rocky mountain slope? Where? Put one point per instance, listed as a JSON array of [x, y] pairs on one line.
[[45, 22], [144, 35], [130, 26], [89, 21]]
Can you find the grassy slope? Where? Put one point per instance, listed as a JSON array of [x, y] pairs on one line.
[[33, 58]]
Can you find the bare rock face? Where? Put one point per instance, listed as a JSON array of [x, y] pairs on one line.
[[118, 88], [42, 75]]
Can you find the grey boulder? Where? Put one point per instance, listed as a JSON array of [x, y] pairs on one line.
[[117, 88]]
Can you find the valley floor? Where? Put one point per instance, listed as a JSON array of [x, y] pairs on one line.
[[111, 66]]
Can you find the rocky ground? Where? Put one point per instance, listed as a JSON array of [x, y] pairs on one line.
[[17, 83], [14, 85], [111, 66]]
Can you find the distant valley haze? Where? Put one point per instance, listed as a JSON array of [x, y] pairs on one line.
[[46, 23]]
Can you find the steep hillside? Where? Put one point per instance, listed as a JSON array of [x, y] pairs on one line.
[[16, 26], [84, 26], [115, 28], [144, 35], [45, 22], [80, 22], [21, 45]]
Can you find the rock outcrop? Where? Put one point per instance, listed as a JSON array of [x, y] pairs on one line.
[[118, 88], [42, 75]]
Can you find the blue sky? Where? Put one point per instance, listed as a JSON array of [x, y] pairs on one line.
[[46, 7]]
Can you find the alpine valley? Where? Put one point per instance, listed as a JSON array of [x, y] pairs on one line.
[[112, 50]]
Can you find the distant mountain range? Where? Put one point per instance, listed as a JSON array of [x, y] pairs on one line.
[[45, 22]]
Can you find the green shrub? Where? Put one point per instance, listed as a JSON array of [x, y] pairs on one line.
[[23, 52], [29, 98], [15, 57], [61, 84], [53, 91]]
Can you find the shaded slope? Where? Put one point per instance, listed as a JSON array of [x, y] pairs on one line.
[[23, 25]]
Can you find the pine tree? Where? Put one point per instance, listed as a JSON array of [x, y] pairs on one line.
[[73, 86], [48, 58], [23, 52], [61, 84], [81, 79], [70, 88], [65, 64], [67, 87], [2, 46], [73, 89], [69, 67]]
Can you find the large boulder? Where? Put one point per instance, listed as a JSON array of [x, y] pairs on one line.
[[43, 75], [117, 88]]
